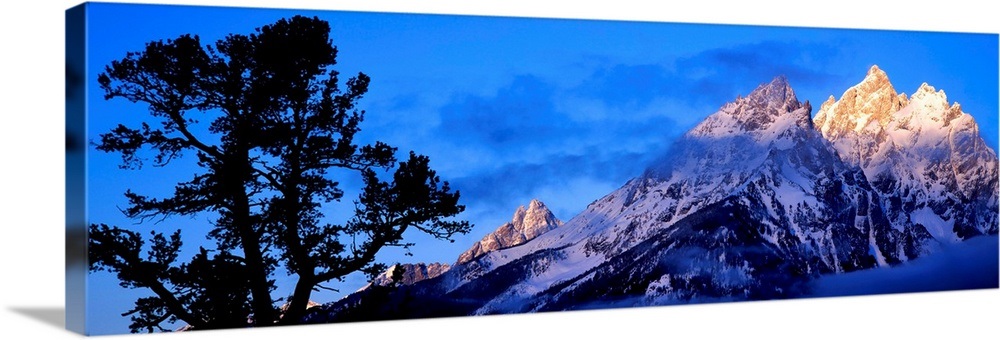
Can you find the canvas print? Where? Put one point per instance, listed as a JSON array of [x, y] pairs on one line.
[[264, 167]]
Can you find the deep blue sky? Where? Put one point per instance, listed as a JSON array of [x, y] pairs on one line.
[[510, 109]]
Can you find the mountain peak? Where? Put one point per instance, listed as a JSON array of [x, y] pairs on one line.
[[779, 82], [876, 73], [927, 89], [930, 97], [916, 149], [875, 80], [536, 213], [535, 203], [526, 224], [777, 91], [518, 215], [761, 114], [872, 100]]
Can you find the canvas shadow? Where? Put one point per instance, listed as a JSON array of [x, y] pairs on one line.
[[52, 316]]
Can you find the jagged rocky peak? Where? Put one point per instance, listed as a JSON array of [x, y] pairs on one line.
[[872, 100], [929, 110], [768, 110], [935, 102], [740, 134], [526, 224], [537, 219], [769, 101], [412, 273], [870, 123], [923, 155], [776, 93]]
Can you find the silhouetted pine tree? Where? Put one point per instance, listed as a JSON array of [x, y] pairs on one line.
[[278, 123]]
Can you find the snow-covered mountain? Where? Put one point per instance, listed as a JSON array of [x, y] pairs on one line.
[[410, 273], [923, 155], [524, 226], [748, 202], [752, 203]]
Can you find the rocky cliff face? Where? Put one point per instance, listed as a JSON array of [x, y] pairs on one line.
[[524, 226], [923, 155], [872, 101]]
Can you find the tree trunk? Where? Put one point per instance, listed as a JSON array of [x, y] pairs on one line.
[[260, 292], [300, 301]]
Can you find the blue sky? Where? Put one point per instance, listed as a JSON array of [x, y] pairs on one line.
[[510, 109]]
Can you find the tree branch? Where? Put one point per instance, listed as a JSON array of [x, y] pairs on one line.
[[174, 305], [181, 124]]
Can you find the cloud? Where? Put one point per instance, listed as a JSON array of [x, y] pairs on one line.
[[529, 137], [536, 135], [708, 79], [515, 180], [802, 62], [972, 264], [628, 85], [519, 112]]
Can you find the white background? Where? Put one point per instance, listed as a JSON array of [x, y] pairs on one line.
[[31, 188]]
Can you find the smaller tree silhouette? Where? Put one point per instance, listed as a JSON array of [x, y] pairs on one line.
[[278, 124]]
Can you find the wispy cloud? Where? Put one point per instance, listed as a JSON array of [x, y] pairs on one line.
[[517, 115], [535, 134], [797, 61], [496, 186], [712, 77]]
